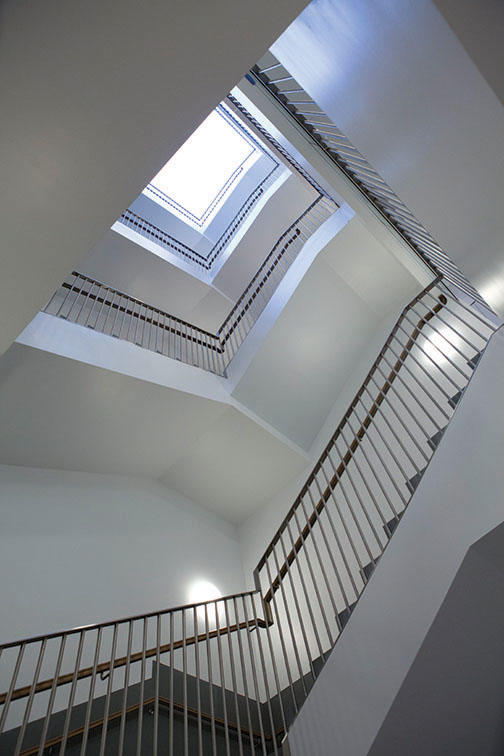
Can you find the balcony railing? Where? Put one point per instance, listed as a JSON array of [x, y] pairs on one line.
[[228, 676], [298, 105], [93, 304]]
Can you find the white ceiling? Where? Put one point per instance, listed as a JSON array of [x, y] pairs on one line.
[[62, 414], [95, 97], [398, 82], [312, 349]]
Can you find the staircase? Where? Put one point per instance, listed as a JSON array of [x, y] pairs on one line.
[[230, 675]]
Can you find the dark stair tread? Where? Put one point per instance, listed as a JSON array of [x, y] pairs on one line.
[[434, 440], [392, 524], [455, 399], [474, 360], [344, 616], [412, 483], [368, 569]]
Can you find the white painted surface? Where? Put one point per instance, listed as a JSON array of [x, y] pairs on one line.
[[82, 548], [84, 125], [397, 81], [458, 501], [124, 264], [305, 360], [60, 413]]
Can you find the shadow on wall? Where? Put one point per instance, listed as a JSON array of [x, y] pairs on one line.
[[452, 699]]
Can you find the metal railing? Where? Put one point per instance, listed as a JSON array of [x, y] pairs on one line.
[[145, 228], [88, 302], [298, 104], [228, 676]]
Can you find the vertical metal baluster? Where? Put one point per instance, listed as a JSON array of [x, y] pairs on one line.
[[132, 322], [436, 364], [351, 541], [389, 403], [339, 545], [233, 675], [451, 326], [249, 628], [71, 697], [400, 443], [244, 672], [12, 686], [376, 426], [289, 619], [95, 299], [362, 506], [370, 465], [110, 683], [85, 298], [78, 286], [390, 475], [69, 291], [91, 692], [103, 292], [361, 475], [281, 636], [421, 405], [144, 324], [315, 584], [443, 336], [266, 681], [198, 679], [172, 665], [298, 609], [117, 314], [222, 678], [142, 689], [322, 569], [268, 612], [125, 316], [156, 687], [184, 673], [465, 322], [110, 309], [405, 405], [431, 378], [126, 685], [52, 695], [210, 683], [151, 327], [29, 703]]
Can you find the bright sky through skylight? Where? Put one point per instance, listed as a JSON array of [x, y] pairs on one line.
[[198, 172]]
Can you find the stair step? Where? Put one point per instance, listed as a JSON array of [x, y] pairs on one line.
[[368, 569], [412, 483], [474, 360], [392, 524], [455, 399], [434, 440], [344, 616]]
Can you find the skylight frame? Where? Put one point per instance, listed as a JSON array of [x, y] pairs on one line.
[[225, 190]]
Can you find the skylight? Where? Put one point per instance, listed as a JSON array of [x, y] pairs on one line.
[[197, 179]]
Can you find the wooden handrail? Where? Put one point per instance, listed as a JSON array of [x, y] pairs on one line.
[[358, 436], [123, 660], [242, 729]]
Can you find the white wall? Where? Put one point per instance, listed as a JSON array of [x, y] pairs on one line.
[[77, 548], [95, 98], [397, 81], [458, 501]]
